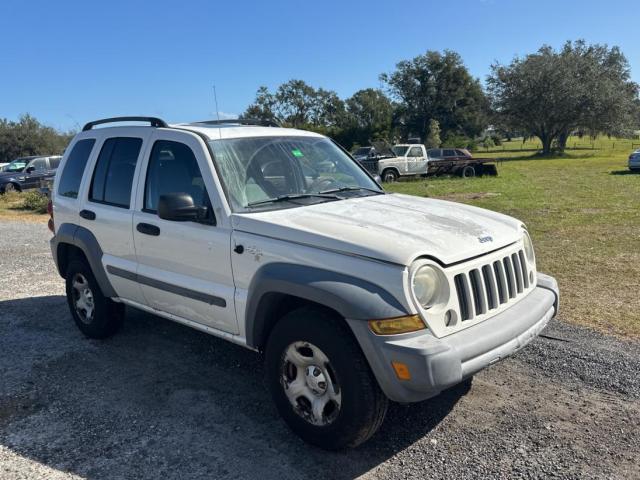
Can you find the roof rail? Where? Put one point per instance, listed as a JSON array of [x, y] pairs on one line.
[[243, 121], [155, 122]]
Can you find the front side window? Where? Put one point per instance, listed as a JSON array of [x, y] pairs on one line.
[[113, 174], [433, 153], [173, 168], [449, 153], [39, 164], [262, 171], [74, 168]]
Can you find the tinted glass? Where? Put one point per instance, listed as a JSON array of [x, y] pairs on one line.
[[54, 162], [113, 175], [449, 153], [173, 168], [433, 153], [74, 168]]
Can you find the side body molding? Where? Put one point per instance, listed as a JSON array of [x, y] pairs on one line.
[[83, 239], [353, 298]]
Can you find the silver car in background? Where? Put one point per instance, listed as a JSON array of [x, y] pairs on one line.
[[634, 161]]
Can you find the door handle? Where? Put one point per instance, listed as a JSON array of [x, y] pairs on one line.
[[87, 214], [148, 229]]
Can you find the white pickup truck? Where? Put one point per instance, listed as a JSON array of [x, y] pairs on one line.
[[416, 159]]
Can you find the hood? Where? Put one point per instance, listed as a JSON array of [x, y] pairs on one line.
[[393, 228]]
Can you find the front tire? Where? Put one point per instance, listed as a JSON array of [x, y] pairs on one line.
[[389, 176], [94, 314], [9, 187], [321, 382]]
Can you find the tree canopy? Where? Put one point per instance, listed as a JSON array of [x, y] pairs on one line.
[[438, 86], [27, 137], [549, 94]]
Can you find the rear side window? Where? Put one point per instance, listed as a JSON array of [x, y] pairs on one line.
[[54, 162], [173, 168], [74, 168], [449, 153], [113, 174]]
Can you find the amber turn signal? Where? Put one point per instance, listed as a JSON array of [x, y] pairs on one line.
[[394, 326], [402, 370]]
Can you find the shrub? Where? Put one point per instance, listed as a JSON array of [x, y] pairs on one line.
[[35, 201]]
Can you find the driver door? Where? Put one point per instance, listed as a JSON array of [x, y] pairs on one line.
[[34, 172], [416, 161], [184, 268]]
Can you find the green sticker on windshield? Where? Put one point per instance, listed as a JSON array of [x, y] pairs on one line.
[[297, 153]]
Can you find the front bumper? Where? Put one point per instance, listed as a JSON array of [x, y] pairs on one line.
[[439, 363]]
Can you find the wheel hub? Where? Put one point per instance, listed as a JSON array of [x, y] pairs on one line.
[[316, 380], [310, 383]]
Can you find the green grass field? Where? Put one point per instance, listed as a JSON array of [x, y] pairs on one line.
[[583, 212]]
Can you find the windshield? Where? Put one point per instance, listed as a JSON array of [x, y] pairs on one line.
[[258, 170], [399, 151], [16, 166]]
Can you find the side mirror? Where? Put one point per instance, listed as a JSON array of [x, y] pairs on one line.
[[31, 169], [179, 207]]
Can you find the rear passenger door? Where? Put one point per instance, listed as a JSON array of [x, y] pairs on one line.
[[184, 268], [107, 208]]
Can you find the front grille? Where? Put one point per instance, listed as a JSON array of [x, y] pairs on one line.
[[487, 287]]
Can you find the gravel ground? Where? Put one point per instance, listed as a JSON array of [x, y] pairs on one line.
[[162, 401]]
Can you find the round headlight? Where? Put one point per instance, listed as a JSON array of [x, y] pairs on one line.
[[429, 286], [528, 247]]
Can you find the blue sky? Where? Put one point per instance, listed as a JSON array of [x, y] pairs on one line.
[[67, 62]]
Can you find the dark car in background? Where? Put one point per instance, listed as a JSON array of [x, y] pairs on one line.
[[25, 173]]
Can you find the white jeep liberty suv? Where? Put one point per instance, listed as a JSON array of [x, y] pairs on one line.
[[277, 240]]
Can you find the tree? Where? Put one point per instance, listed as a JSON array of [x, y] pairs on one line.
[[438, 86], [297, 104], [369, 115], [550, 94], [433, 134], [27, 137]]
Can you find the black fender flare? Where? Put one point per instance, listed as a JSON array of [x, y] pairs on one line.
[[82, 238], [353, 298]]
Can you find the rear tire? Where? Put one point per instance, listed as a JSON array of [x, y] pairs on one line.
[[308, 345], [95, 315], [468, 172]]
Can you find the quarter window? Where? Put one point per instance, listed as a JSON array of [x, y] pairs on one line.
[[173, 168], [74, 168], [113, 175]]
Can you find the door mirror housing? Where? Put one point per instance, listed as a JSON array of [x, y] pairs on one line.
[[30, 169], [179, 207]]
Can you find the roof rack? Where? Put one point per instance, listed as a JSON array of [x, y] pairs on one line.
[[243, 121], [155, 122]]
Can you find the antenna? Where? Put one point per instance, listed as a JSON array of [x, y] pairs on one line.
[[215, 99]]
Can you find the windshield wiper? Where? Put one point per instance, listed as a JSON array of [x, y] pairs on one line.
[[351, 189], [293, 196]]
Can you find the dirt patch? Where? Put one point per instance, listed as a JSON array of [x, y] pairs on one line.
[[457, 197]]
